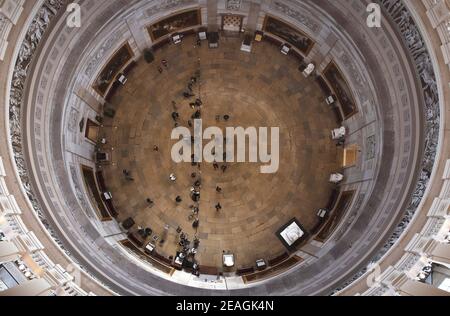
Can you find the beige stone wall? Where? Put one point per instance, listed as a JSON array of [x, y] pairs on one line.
[[22, 213]]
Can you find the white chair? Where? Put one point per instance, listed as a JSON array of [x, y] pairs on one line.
[[150, 247], [309, 70], [2, 168], [202, 36], [107, 195], [247, 44], [338, 133], [228, 260], [336, 178], [122, 79], [177, 39], [261, 264], [285, 49], [322, 213], [330, 100]]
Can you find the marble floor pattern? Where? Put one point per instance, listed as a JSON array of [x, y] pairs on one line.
[[261, 89]]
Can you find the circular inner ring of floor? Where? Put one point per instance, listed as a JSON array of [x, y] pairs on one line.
[[255, 92]]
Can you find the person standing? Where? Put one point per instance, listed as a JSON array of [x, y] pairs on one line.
[[196, 223]]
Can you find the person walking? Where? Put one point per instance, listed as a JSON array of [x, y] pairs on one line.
[[127, 175], [196, 223]]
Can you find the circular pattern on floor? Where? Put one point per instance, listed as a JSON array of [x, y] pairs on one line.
[[254, 90]]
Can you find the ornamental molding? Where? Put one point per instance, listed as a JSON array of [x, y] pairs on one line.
[[414, 42], [297, 15]]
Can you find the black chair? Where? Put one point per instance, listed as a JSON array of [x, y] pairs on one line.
[[213, 39]]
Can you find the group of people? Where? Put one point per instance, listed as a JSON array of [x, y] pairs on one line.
[[217, 167], [127, 175], [187, 253], [195, 190], [164, 64], [195, 103]]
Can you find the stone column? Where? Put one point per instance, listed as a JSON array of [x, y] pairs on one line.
[[35, 287], [139, 34], [253, 17], [10, 11], [439, 13], [440, 253], [211, 6], [89, 99], [8, 252], [2, 168]]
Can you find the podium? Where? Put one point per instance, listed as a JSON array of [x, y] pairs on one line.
[[285, 49]]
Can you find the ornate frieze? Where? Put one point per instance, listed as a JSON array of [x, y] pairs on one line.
[[371, 147], [100, 54], [31, 41], [234, 5], [415, 43], [167, 5], [78, 188], [107, 45], [296, 15]]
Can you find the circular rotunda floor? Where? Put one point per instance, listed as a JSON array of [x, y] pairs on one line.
[[261, 89]]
